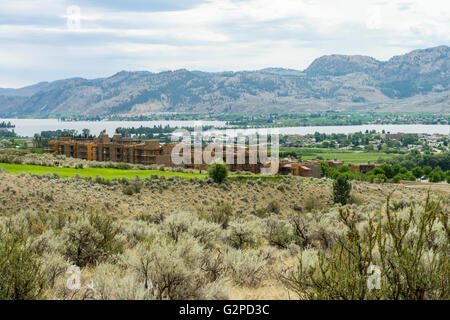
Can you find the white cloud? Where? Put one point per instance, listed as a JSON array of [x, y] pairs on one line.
[[207, 35]]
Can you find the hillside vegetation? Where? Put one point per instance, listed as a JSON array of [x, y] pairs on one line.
[[177, 238]]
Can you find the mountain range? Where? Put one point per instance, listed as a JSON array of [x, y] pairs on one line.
[[416, 81]]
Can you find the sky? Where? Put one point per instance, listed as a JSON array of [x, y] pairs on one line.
[[43, 40]]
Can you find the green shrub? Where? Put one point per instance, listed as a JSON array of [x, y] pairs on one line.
[[21, 276], [312, 203], [397, 178], [109, 285], [171, 270], [274, 207], [218, 171], [179, 225], [246, 268], [427, 170], [413, 263], [123, 166], [260, 212], [132, 188], [240, 235], [90, 239], [278, 232], [301, 228], [220, 213], [54, 266], [341, 189]]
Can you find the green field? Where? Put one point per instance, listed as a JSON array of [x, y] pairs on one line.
[[109, 173], [344, 155], [106, 173]]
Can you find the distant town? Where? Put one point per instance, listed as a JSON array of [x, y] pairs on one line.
[[371, 141]]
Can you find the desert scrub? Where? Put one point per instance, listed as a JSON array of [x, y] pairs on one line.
[[155, 218], [313, 203], [300, 228], [91, 238], [274, 207], [177, 225], [413, 264], [46, 243], [112, 283], [54, 266], [20, 268], [260, 212], [246, 268], [171, 270], [240, 235], [278, 232], [220, 213], [136, 231], [315, 229], [132, 188]]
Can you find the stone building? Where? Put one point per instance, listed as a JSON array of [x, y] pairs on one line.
[[117, 149], [128, 150], [293, 167], [363, 167], [336, 164]]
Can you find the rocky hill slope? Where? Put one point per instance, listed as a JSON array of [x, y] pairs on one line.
[[417, 81]]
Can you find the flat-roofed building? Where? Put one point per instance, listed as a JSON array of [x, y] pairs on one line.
[[149, 152]]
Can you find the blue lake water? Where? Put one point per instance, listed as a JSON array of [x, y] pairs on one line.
[[28, 127]]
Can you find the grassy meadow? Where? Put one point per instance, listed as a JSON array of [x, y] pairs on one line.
[[344, 155], [107, 173], [111, 173]]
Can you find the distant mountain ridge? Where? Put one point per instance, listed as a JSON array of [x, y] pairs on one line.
[[416, 81]]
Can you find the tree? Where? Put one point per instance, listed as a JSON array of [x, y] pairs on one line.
[[395, 169], [417, 172], [436, 175], [341, 189], [427, 170], [86, 133], [218, 171], [387, 170], [344, 169]]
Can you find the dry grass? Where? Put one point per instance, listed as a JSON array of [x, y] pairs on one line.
[[74, 195]]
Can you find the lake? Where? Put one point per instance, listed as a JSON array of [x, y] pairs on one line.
[[28, 127], [388, 128]]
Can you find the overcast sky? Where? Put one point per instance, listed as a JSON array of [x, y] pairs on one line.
[[44, 40]]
